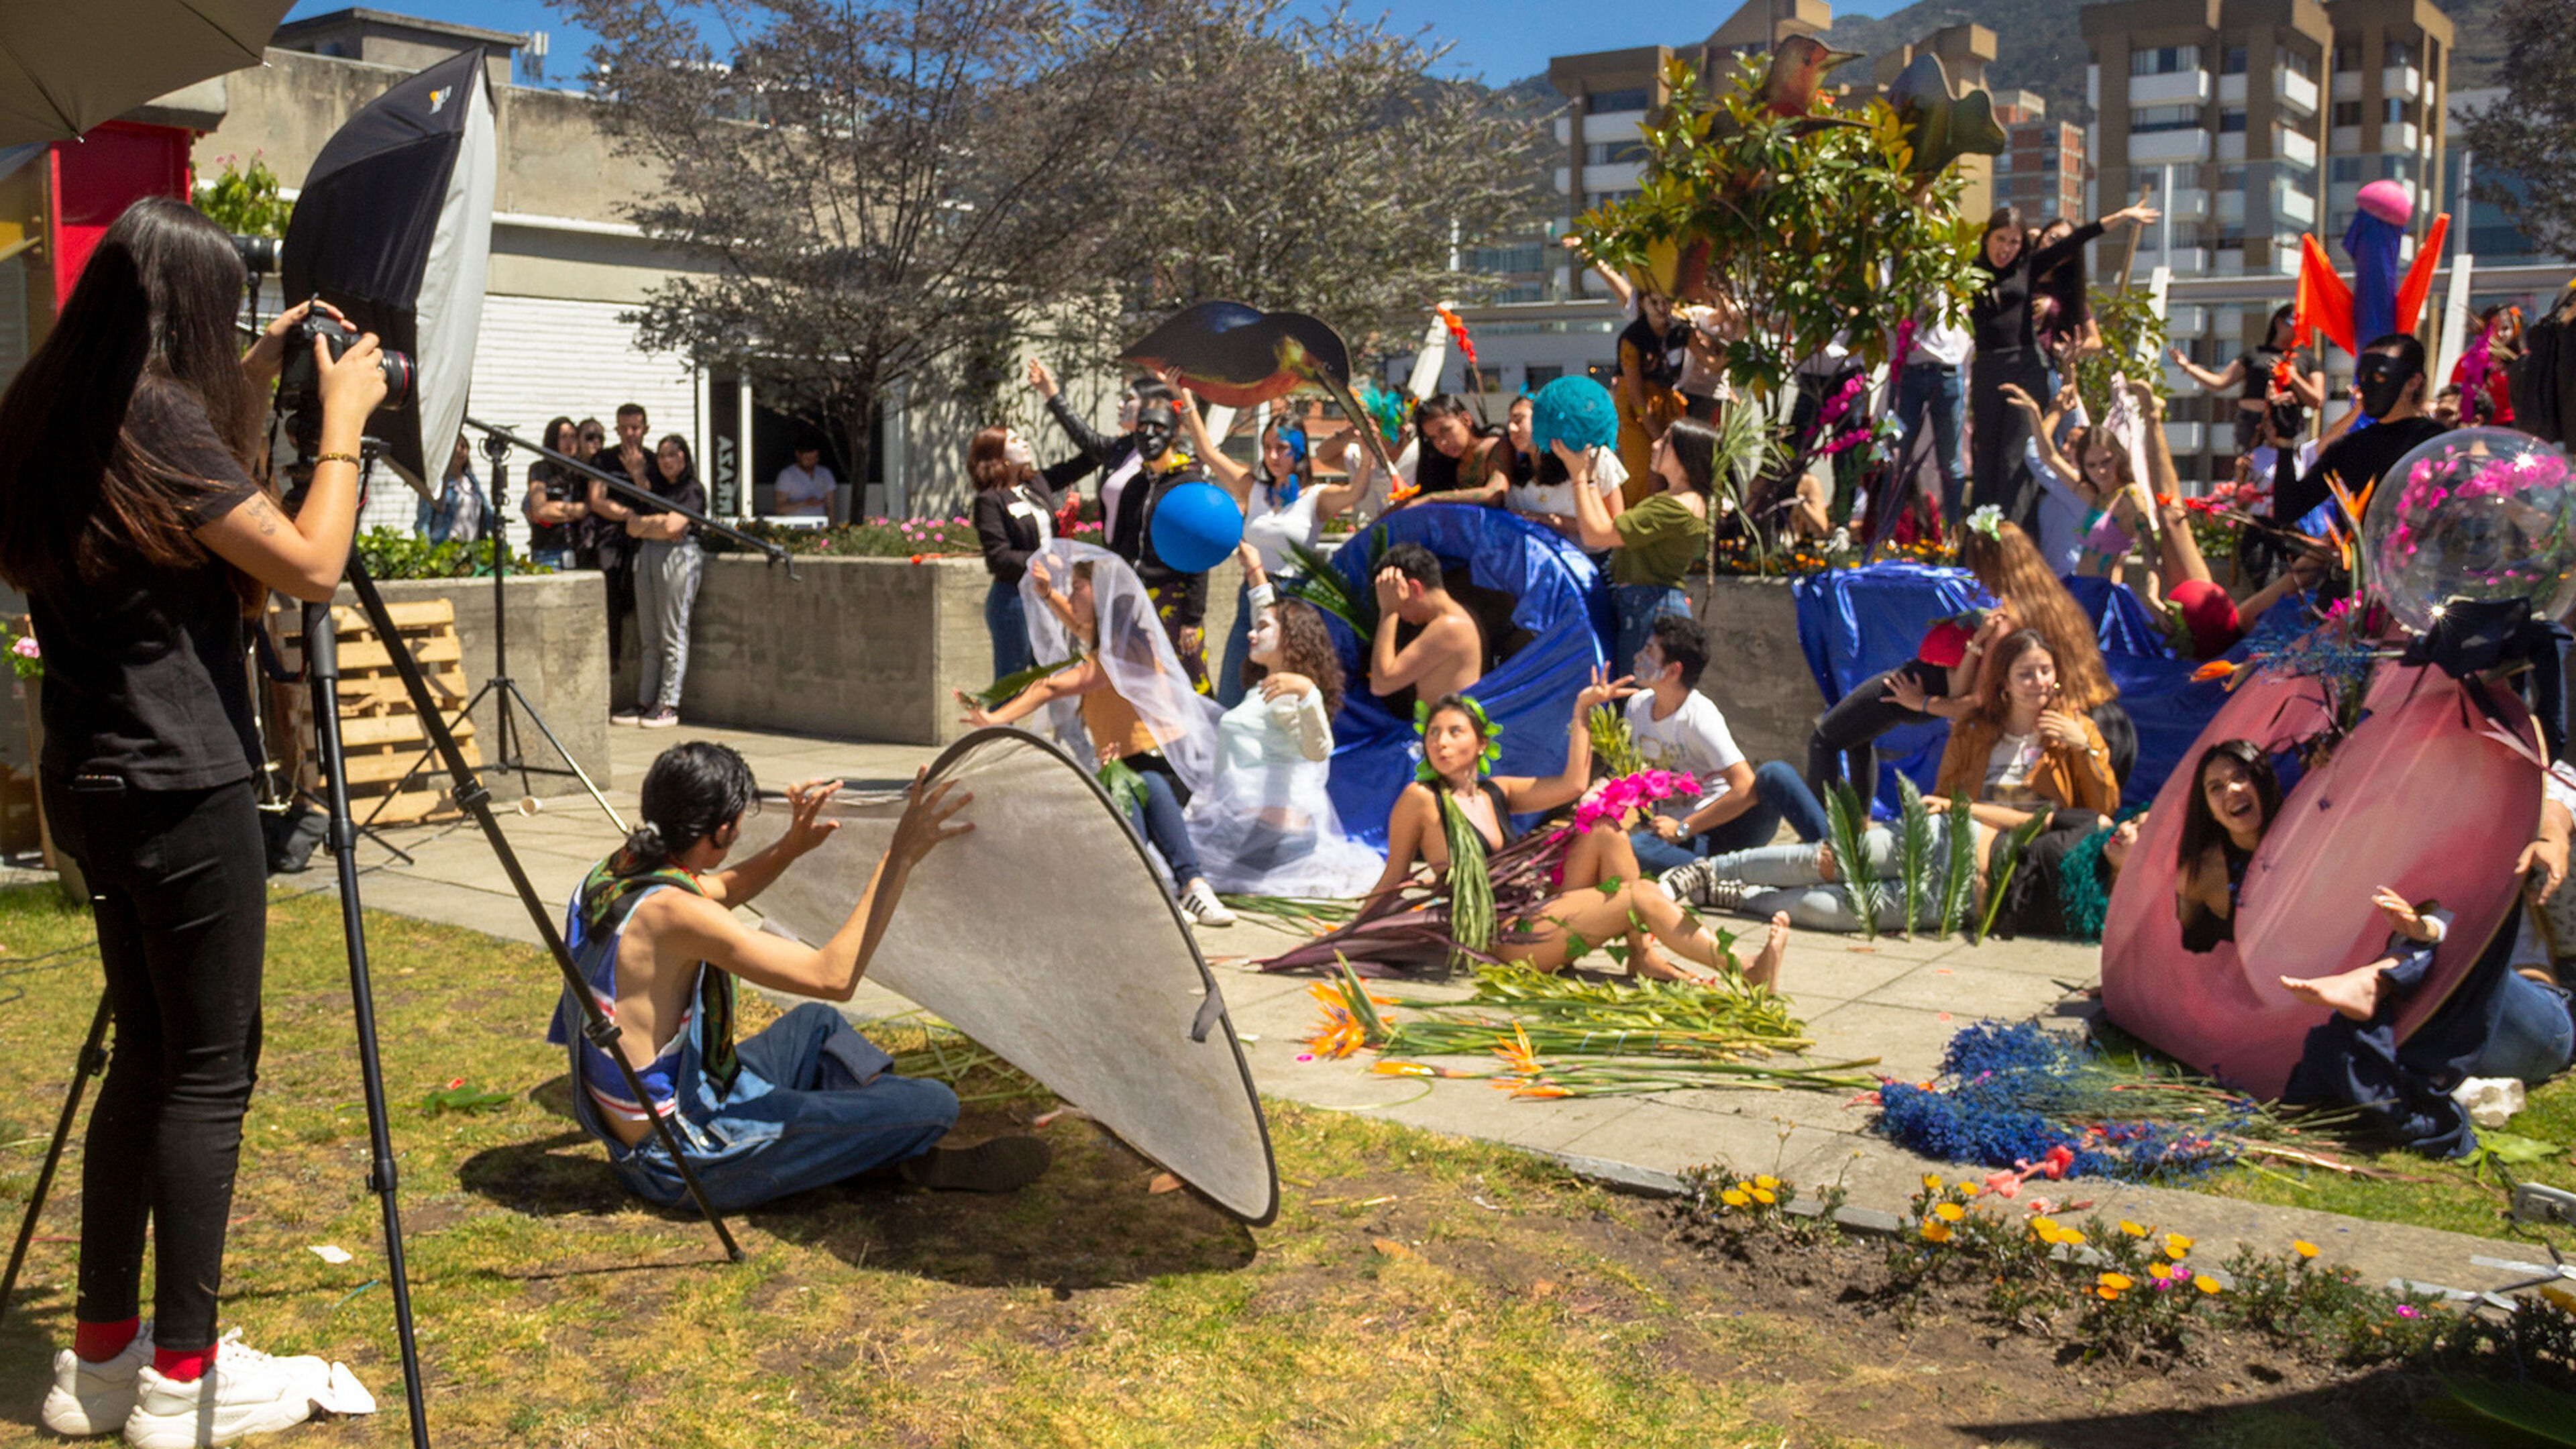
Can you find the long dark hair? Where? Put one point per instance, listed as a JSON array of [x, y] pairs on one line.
[[691, 792], [2200, 829], [1301, 459], [688, 462], [1435, 471], [2063, 283], [1694, 443], [82, 496], [1305, 647], [1994, 703], [2004, 218]]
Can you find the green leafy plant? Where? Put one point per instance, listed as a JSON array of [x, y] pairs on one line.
[[26, 657], [463, 1096], [2001, 865], [2133, 345], [1913, 847], [1471, 883], [393, 553], [1959, 880], [243, 198], [1847, 821], [1322, 585]]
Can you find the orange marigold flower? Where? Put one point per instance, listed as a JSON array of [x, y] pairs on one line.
[[1936, 1231], [2116, 1282], [1950, 1212], [2303, 1248], [1765, 1196], [2205, 1283], [2132, 1229], [1733, 1198]]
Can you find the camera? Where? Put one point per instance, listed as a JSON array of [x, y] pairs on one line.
[[258, 253], [299, 386]]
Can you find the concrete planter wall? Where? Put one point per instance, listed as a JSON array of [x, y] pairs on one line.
[[558, 636], [1756, 672]]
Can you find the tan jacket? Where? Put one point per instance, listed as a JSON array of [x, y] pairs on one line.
[[2075, 781]]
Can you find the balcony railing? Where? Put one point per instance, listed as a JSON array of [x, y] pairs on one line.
[[2177, 88], [2401, 82], [2295, 91], [2159, 148]]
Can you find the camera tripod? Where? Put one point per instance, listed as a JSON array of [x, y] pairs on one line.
[[509, 752], [321, 675]]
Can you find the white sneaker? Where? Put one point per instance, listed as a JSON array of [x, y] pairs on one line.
[[242, 1392], [1201, 905], [94, 1398]]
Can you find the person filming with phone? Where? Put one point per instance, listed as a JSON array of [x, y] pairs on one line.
[[131, 517]]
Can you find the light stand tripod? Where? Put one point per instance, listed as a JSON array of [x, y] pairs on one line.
[[509, 753], [321, 669]]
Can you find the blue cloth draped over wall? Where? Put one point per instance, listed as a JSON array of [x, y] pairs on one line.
[[1564, 605], [1854, 623]]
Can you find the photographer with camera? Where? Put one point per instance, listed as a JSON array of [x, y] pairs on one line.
[[130, 516]]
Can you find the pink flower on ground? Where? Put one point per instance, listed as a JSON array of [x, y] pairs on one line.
[[2004, 1184], [25, 647]]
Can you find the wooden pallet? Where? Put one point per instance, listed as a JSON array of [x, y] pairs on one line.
[[380, 733]]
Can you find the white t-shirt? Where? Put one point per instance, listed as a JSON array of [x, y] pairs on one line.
[[2009, 766], [1693, 738], [800, 493], [1608, 474]]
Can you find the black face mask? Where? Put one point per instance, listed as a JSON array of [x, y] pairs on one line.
[[1153, 436], [2382, 380]]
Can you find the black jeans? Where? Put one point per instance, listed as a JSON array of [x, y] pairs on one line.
[[1999, 472], [178, 880], [1843, 743]]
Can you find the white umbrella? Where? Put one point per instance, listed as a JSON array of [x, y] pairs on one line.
[[67, 65]]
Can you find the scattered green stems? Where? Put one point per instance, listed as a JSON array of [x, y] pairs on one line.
[[2008, 849]]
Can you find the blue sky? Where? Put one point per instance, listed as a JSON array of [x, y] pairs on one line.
[[1501, 40]]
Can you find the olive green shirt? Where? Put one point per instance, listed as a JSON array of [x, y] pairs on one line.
[[1659, 539]]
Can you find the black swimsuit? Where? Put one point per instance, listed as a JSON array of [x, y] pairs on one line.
[[2205, 931]]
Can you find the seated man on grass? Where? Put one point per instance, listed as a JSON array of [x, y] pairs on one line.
[[1447, 656], [806, 1102], [1678, 728]]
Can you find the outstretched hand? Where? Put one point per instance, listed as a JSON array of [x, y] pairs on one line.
[[805, 803], [925, 821], [1602, 690], [1041, 379], [2407, 921], [2013, 394]]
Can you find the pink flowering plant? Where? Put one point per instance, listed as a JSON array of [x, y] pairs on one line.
[[26, 659], [1616, 800]]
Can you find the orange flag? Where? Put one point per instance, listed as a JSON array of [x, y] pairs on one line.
[[2324, 301], [2419, 277]]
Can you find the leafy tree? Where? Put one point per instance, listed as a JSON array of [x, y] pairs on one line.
[[2530, 134], [243, 199]]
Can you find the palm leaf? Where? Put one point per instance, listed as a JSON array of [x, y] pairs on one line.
[[1471, 885], [1959, 882], [1614, 744], [2008, 851], [1011, 686], [1124, 785], [2512, 1414], [1846, 818], [1319, 583], [1913, 846]]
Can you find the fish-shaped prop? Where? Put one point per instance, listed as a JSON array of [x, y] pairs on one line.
[[1241, 356], [1939, 127]]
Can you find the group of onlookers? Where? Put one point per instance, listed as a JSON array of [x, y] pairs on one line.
[[649, 555]]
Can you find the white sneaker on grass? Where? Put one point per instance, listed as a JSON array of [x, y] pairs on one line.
[[1201, 905], [94, 1398], [242, 1392]]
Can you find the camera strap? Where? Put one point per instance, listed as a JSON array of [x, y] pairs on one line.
[[270, 663]]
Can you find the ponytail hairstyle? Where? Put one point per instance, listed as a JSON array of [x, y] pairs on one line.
[[692, 791]]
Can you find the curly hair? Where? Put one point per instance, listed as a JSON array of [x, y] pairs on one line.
[[2010, 568], [1305, 647]]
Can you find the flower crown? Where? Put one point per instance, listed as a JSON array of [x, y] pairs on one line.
[[1988, 520], [1490, 732]]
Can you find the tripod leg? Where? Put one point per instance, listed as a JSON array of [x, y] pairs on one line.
[[510, 690], [471, 795], [322, 669], [91, 1062]]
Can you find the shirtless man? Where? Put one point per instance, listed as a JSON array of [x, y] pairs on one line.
[[1448, 656]]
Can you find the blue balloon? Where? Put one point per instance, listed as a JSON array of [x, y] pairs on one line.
[[1195, 526]]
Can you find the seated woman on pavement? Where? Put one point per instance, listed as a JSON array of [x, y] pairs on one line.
[[807, 1101], [1602, 894], [2024, 750], [1680, 729]]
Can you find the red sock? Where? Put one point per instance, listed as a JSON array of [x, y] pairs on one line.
[[99, 1342], [186, 1366]]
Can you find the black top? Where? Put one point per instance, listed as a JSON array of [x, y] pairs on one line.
[[145, 671], [2001, 313], [685, 491], [1131, 533], [2258, 363], [2203, 932], [2357, 459], [561, 485], [1006, 519], [2035, 901], [608, 535]]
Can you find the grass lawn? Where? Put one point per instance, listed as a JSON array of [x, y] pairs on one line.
[[1088, 1310]]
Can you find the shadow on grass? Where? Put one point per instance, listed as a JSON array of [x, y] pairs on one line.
[[2379, 1410], [1093, 1221]]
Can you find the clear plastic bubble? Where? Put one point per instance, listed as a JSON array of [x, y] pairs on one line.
[[2479, 514]]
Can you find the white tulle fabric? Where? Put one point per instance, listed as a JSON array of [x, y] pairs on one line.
[[1259, 813]]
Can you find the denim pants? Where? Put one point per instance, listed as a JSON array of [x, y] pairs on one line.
[[1238, 651], [557, 559], [812, 1105], [1157, 817], [2530, 1035], [1006, 618], [666, 590], [178, 884], [1927, 392], [1639, 606], [1796, 886], [1778, 795]]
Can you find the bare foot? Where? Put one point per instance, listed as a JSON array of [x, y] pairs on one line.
[[1765, 970], [2353, 993], [1825, 864], [1649, 963]]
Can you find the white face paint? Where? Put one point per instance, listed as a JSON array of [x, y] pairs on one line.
[[1127, 413], [1015, 449], [1264, 641]]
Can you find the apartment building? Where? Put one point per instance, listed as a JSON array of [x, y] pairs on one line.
[[2042, 169]]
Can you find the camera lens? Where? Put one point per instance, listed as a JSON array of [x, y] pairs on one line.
[[258, 254]]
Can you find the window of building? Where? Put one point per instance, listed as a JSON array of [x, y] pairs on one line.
[[1531, 258], [2231, 61], [2343, 169], [2399, 52], [2296, 62], [2397, 166], [2347, 113], [2165, 118], [2231, 121], [1614, 153], [1539, 374], [2398, 114], [2347, 55], [2164, 60], [1600, 102], [2231, 179]]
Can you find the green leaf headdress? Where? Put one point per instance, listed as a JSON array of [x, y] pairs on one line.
[[1486, 729]]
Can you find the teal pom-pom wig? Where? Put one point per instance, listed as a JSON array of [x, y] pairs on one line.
[[1576, 411]]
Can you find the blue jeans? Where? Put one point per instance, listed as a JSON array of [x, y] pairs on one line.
[[1925, 392], [1157, 817], [1238, 651], [1007, 620], [2529, 1035], [553, 558], [1639, 606], [1778, 794], [812, 1105]]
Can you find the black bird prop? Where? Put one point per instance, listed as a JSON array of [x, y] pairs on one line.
[[1240, 357], [1940, 127]]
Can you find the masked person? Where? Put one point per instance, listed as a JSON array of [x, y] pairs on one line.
[[1116, 456], [1179, 598], [2391, 389]]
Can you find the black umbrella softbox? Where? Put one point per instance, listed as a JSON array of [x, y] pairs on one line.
[[394, 227]]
